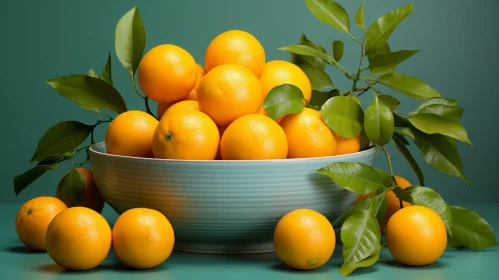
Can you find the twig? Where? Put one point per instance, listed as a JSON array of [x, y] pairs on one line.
[[132, 77], [389, 160]]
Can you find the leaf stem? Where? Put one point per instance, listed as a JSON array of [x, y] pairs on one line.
[[389, 160], [148, 109], [132, 77], [362, 55]]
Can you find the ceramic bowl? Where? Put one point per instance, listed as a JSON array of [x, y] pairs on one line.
[[222, 206]]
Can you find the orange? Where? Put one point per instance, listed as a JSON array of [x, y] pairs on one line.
[[186, 134], [228, 92], [143, 238], [279, 72], [304, 239], [347, 145], [308, 135], [182, 105], [393, 202], [167, 73], [416, 236], [162, 107], [193, 94], [78, 238], [34, 218], [221, 131], [253, 137], [130, 134], [235, 47], [92, 198]]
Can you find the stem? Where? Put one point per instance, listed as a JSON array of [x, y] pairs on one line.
[[389, 160], [148, 109], [362, 92], [362, 55], [132, 77]]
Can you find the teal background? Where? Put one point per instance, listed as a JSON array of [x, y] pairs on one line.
[[48, 39]]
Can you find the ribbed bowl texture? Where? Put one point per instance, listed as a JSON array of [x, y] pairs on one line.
[[222, 206]]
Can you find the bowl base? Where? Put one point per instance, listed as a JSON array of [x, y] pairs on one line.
[[264, 247]]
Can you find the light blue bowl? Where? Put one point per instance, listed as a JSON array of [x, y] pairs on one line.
[[222, 206]]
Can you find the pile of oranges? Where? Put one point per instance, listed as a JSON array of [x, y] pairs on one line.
[[217, 112]]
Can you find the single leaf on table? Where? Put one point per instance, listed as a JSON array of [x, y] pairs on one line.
[[348, 269], [361, 238], [130, 40], [438, 152], [319, 98], [22, 181], [424, 196], [92, 73], [308, 51], [381, 29], [331, 13], [384, 49], [318, 78], [408, 85], [378, 122], [436, 101], [107, 71], [283, 100], [338, 48], [72, 188], [390, 59], [410, 159], [470, 230], [354, 176], [61, 138], [445, 111], [433, 124], [89, 92], [343, 115], [359, 16], [389, 101]]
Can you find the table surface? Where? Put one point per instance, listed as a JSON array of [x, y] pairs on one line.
[[17, 262]]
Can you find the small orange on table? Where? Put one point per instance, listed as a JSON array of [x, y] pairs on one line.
[[235, 47], [78, 238], [416, 236], [167, 73], [253, 137], [143, 238], [33, 220], [130, 134], [304, 239], [308, 135], [92, 197], [186, 134]]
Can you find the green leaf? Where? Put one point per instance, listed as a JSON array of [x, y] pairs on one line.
[[106, 71], [389, 101], [283, 100], [89, 92], [91, 109], [61, 138], [338, 48], [380, 30], [378, 122], [384, 49], [22, 181], [470, 230], [354, 176], [364, 140], [348, 269], [72, 188], [427, 197], [319, 98], [130, 40], [436, 101], [54, 158], [385, 177], [318, 78], [309, 60], [93, 74], [433, 124], [410, 86], [359, 16], [401, 139], [343, 115], [331, 13], [445, 111], [410, 159], [361, 238], [405, 131], [390, 59], [438, 152], [402, 194], [375, 202], [308, 51]]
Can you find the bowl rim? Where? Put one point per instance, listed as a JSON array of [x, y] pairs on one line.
[[216, 161]]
